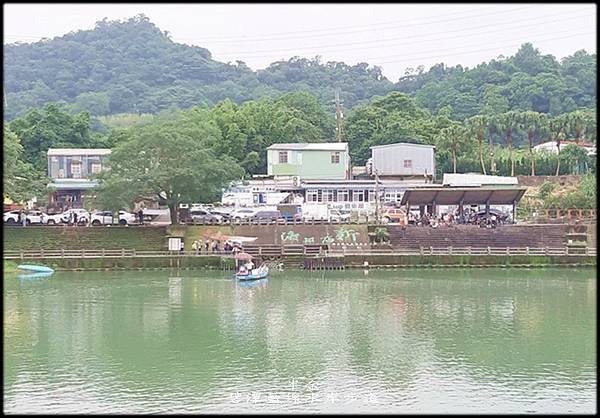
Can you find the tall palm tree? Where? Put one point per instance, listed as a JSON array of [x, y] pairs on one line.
[[533, 122], [507, 123], [556, 127], [478, 124], [452, 137], [578, 123]]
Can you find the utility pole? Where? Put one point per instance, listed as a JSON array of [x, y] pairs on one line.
[[338, 116], [376, 197]]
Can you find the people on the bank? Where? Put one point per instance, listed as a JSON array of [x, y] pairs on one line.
[[141, 216]]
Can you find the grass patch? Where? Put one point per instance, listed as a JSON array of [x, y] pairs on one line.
[[10, 267]]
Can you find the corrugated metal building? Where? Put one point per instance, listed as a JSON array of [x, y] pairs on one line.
[[403, 160]]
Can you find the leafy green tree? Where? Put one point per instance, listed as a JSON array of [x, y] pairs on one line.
[[575, 159], [556, 127], [452, 138], [51, 127], [20, 180], [169, 161], [386, 120], [533, 122], [477, 125], [579, 123], [508, 122]]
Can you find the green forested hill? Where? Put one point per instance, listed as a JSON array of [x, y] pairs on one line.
[[525, 81], [133, 67]]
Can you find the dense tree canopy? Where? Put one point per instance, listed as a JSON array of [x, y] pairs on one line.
[[20, 180], [126, 85], [525, 81], [132, 66], [53, 127], [174, 162]]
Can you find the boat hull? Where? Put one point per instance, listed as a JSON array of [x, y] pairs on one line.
[[35, 268], [261, 274]]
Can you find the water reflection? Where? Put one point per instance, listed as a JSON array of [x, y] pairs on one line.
[[417, 341]]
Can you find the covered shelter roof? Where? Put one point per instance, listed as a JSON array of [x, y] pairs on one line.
[[497, 195]]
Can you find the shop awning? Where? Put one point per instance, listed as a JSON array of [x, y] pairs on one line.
[[468, 195]]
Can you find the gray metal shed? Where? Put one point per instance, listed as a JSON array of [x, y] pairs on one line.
[[404, 159]]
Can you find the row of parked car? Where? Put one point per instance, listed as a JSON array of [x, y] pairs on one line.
[[83, 217], [216, 215]]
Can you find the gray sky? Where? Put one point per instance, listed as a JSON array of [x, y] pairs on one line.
[[394, 36]]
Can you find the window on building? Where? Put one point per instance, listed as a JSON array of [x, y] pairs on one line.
[[407, 163], [327, 195], [343, 196], [358, 195], [312, 196], [76, 170], [389, 197], [96, 168], [372, 196], [335, 158], [283, 157]]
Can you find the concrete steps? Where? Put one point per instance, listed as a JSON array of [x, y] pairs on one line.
[[413, 237]]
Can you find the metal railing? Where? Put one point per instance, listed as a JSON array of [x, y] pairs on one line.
[[275, 251], [503, 251]]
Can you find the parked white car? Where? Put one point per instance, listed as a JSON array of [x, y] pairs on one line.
[[83, 216], [243, 213], [106, 218], [337, 216], [201, 215], [53, 219], [11, 217], [36, 217]]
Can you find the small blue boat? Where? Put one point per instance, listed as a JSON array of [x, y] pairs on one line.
[[35, 275], [256, 274], [35, 268]]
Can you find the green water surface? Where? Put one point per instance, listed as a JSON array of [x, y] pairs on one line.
[[404, 341]]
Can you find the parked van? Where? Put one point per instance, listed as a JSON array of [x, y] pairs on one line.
[[267, 214]]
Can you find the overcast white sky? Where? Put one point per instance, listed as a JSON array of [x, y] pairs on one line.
[[394, 36]]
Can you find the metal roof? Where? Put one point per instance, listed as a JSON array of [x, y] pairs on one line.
[[403, 144], [458, 180], [499, 195], [322, 146], [74, 184], [78, 151]]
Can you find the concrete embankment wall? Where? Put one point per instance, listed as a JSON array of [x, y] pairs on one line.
[[133, 263], [155, 238], [33, 238], [278, 234], [351, 261]]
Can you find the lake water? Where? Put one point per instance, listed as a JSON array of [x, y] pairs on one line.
[[403, 341]]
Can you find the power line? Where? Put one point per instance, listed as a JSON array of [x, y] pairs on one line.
[[493, 49], [469, 35], [434, 50], [259, 39], [378, 41], [343, 27], [441, 57]]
